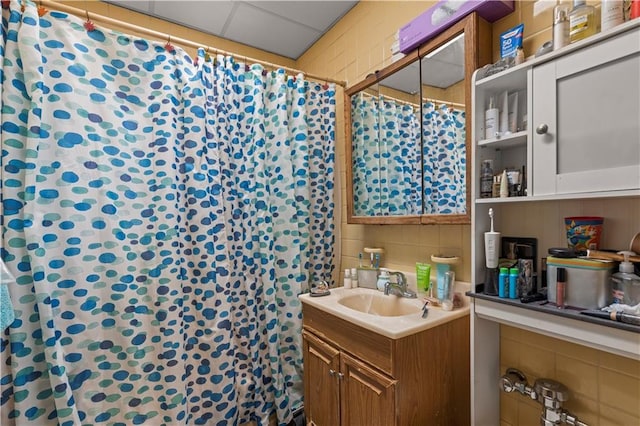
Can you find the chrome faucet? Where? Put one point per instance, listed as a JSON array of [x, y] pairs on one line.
[[399, 288]]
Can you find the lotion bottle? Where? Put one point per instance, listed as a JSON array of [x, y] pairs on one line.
[[560, 26], [611, 14], [491, 117], [504, 185]]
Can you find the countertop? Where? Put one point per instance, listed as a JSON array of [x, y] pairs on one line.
[[549, 308], [394, 327]]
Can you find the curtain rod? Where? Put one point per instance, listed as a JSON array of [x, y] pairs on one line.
[[81, 13], [438, 101]]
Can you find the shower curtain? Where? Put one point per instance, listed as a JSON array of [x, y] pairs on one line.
[[160, 217]]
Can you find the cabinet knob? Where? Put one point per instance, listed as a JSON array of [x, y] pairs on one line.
[[340, 376], [542, 129], [332, 372]]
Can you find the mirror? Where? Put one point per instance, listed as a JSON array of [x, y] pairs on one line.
[[408, 156]]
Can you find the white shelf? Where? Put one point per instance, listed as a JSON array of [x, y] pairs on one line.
[[516, 76], [558, 197], [508, 141], [612, 340]]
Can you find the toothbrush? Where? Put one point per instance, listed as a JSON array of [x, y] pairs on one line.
[[491, 216], [360, 259], [377, 262]]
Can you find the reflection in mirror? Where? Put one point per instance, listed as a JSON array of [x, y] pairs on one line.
[[408, 157], [444, 150], [386, 146]]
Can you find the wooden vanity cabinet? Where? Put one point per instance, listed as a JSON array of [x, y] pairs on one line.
[[356, 377]]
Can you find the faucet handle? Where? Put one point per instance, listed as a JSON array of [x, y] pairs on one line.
[[402, 279], [551, 390]]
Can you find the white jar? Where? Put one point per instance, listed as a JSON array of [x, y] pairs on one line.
[[347, 279]]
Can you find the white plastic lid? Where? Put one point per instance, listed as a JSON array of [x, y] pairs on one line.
[[626, 266]]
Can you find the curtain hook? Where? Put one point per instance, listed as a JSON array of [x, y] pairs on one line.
[[169, 47], [207, 56], [41, 9], [89, 25]]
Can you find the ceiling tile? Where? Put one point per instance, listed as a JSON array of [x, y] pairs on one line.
[[319, 15], [206, 16], [265, 31], [140, 6], [441, 74], [286, 28]]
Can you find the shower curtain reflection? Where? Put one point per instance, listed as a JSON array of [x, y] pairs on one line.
[[160, 218], [386, 156], [397, 170]]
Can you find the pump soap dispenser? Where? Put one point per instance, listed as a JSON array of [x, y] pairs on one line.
[[625, 284]]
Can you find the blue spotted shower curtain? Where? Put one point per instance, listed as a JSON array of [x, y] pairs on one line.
[[386, 157], [160, 215], [387, 177], [444, 159]]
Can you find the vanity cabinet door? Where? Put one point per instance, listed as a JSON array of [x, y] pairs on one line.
[[368, 396], [586, 119], [321, 386]]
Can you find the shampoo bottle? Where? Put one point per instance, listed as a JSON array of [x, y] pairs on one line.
[[625, 284], [513, 283], [582, 21], [503, 283]]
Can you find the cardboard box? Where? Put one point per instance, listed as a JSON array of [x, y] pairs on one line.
[[446, 13]]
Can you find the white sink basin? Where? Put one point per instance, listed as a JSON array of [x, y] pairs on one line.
[[380, 305], [390, 316]]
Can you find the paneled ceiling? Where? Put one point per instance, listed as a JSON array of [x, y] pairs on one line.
[[286, 28]]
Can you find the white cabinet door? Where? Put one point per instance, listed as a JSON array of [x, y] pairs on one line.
[[586, 119]]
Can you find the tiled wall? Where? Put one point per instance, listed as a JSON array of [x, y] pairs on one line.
[[605, 388]]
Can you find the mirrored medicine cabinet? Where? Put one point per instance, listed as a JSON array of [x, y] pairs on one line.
[[409, 130]]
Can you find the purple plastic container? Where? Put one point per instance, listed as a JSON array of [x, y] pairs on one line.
[[446, 13]]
